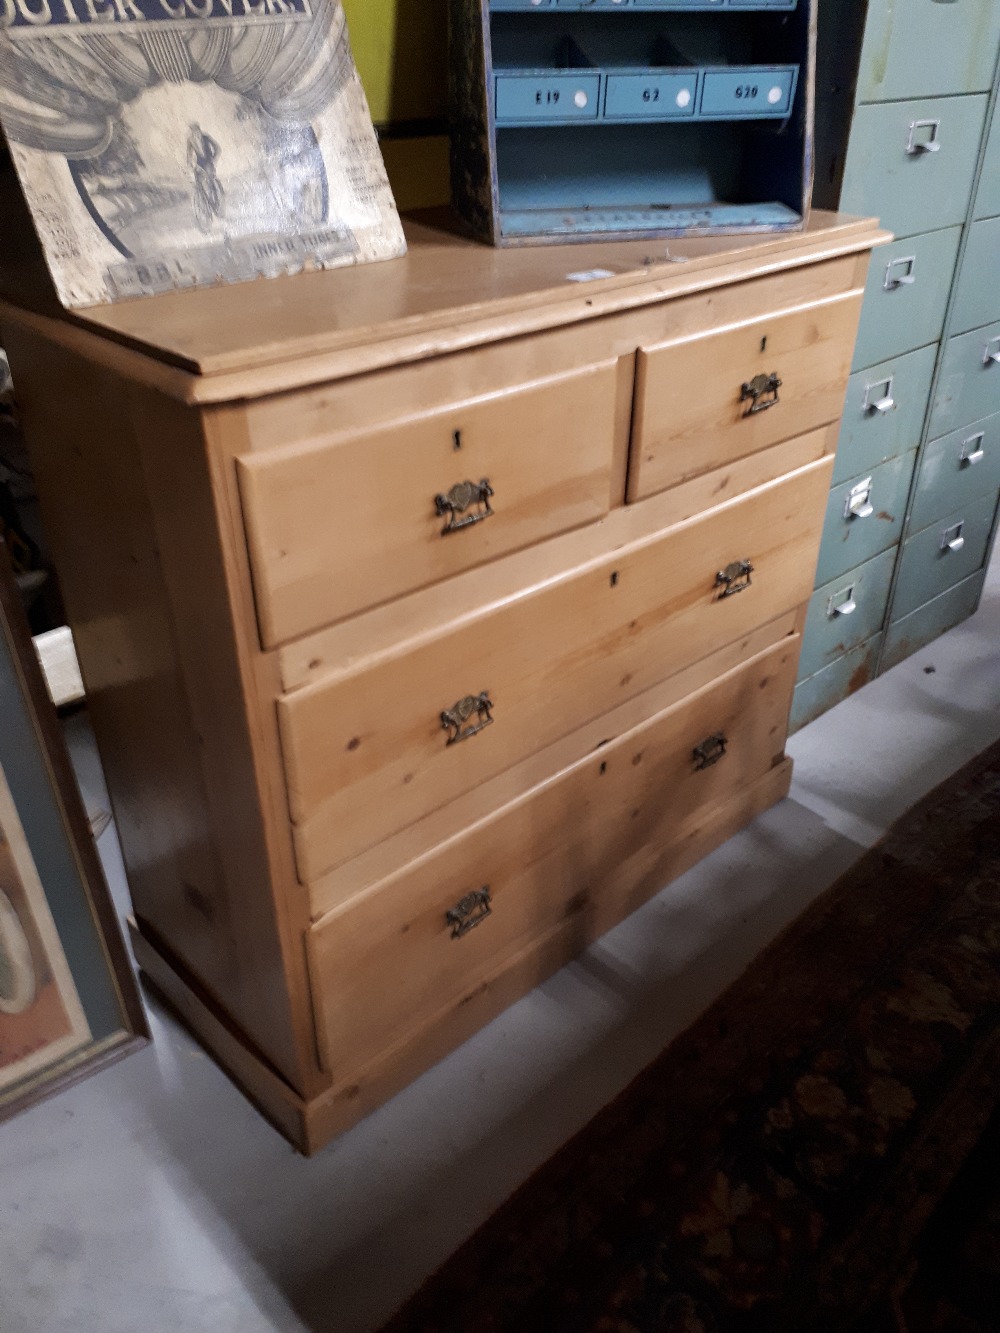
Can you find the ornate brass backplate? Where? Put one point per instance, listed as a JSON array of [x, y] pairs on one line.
[[458, 720], [762, 391], [466, 503], [471, 912], [734, 578]]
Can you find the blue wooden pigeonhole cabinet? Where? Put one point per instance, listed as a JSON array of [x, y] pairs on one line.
[[584, 119]]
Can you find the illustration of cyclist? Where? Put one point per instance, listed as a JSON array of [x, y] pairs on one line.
[[209, 198]]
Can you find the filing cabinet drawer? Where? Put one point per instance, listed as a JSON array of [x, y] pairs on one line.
[[817, 694], [846, 612], [925, 48], [527, 98], [907, 295], [968, 387], [988, 195], [371, 750], [443, 925], [864, 516], [929, 622], [977, 300], [884, 412], [943, 554], [528, 463], [955, 470], [912, 164], [695, 408]]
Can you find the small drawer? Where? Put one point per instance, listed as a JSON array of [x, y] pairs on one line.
[[864, 516], [955, 470], [846, 612], [943, 554], [929, 622], [523, 99], [448, 922], [884, 412], [429, 497], [704, 402], [650, 96], [750, 92], [912, 164], [373, 749], [927, 48], [977, 300], [817, 694], [906, 295], [968, 387], [988, 195]]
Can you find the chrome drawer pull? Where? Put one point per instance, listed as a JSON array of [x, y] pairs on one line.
[[859, 500], [763, 391], [896, 280], [846, 607], [471, 912], [734, 578], [460, 500], [972, 451], [710, 751], [885, 402], [952, 539], [458, 721], [932, 144], [991, 353]]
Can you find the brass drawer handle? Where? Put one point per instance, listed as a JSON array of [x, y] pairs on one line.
[[734, 578], [471, 912], [458, 721], [710, 751], [466, 503], [763, 390]]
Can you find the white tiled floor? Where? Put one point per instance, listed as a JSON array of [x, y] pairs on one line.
[[153, 1197]]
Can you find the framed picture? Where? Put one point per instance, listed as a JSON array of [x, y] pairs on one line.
[[68, 1000]]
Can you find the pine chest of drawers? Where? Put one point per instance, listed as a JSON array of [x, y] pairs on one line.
[[433, 615]]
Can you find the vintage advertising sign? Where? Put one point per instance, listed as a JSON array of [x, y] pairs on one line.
[[41, 1018], [171, 143]]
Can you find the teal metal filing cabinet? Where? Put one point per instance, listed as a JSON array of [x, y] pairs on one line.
[[908, 130]]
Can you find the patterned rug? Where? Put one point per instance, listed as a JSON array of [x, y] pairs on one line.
[[819, 1152]]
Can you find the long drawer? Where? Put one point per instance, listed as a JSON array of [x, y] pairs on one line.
[[442, 925], [943, 554], [968, 386], [955, 470], [926, 48], [864, 516], [703, 402], [373, 749], [351, 521], [977, 300]]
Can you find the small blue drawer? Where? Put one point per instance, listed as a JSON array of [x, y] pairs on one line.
[[750, 92], [906, 295], [864, 516], [968, 386], [650, 96], [943, 554], [526, 98], [884, 412], [955, 470], [845, 612]]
